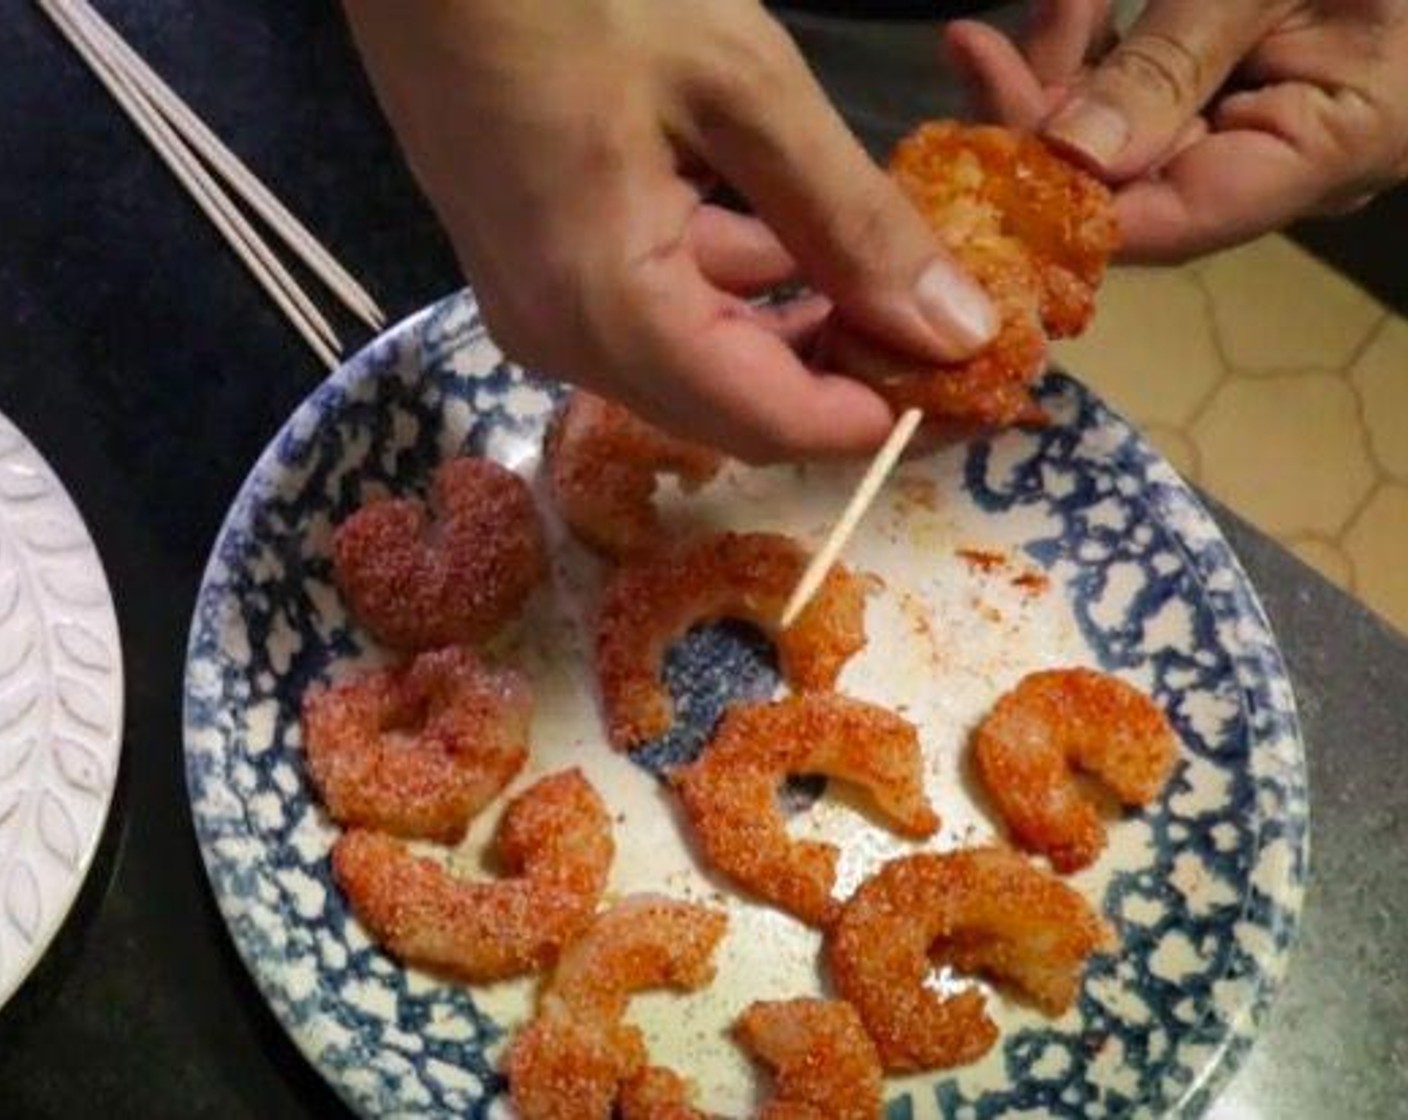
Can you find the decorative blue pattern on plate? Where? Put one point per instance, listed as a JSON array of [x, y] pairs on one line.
[[1205, 887]]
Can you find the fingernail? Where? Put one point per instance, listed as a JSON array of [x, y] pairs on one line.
[[1094, 129], [955, 306]]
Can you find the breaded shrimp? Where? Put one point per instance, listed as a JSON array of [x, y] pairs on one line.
[[569, 1063], [825, 1065], [1054, 723], [1034, 230], [652, 601], [555, 838], [656, 1093], [603, 462], [730, 792], [417, 751], [984, 907], [417, 580]]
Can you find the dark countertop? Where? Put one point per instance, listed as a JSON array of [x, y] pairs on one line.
[[151, 372]]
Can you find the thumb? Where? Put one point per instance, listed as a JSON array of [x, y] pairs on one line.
[[855, 235], [1131, 108]]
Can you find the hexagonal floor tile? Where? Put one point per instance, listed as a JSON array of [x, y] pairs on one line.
[[1377, 542], [1277, 308], [1150, 349], [1287, 452], [1381, 376]]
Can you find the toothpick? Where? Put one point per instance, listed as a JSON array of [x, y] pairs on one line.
[[880, 468]]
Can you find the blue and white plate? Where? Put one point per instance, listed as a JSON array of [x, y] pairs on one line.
[[1083, 547]]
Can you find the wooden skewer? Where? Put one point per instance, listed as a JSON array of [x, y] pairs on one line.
[[209, 146], [203, 189], [869, 486]]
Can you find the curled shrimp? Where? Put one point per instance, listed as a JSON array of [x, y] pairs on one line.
[[1054, 723], [656, 1093], [825, 1067], [603, 462], [554, 837], [983, 908], [417, 751], [652, 601], [1033, 229], [458, 573], [730, 792], [570, 1062]]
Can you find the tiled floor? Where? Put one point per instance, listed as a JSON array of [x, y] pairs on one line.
[[1282, 389]]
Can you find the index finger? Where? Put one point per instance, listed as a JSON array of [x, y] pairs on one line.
[[705, 365]]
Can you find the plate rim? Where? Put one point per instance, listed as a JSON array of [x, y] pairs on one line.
[[86, 856]]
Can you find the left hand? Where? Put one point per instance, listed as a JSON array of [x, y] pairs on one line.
[[1318, 122]]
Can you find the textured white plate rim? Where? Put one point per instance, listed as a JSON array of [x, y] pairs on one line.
[[115, 696]]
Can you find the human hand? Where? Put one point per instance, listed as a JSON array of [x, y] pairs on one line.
[[1317, 121], [562, 146]]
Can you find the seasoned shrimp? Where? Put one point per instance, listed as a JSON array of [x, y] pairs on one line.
[[569, 1063], [656, 1093], [603, 462], [417, 751], [555, 837], [1033, 229], [652, 601], [417, 580], [825, 1065], [1054, 723], [985, 908], [730, 792]]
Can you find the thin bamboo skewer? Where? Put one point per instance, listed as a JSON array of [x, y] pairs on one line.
[[210, 147], [865, 493], [204, 190]]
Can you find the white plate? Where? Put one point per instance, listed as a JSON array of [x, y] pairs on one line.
[[60, 705]]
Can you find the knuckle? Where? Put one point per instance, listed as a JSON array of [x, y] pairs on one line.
[[1161, 67], [741, 65]]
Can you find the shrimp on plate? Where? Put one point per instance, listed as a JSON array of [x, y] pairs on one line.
[[748, 576], [1032, 229], [986, 909], [554, 838], [571, 1061], [418, 750], [730, 791], [825, 1067], [656, 1093], [603, 464], [1054, 724], [458, 572]]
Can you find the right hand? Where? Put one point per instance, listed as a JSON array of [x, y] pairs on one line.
[[563, 145]]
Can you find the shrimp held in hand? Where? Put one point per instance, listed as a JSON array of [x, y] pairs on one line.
[[555, 837], [417, 751], [984, 908], [1054, 723], [1032, 228], [570, 1062], [603, 462], [730, 792], [417, 580], [825, 1065], [654, 600]]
